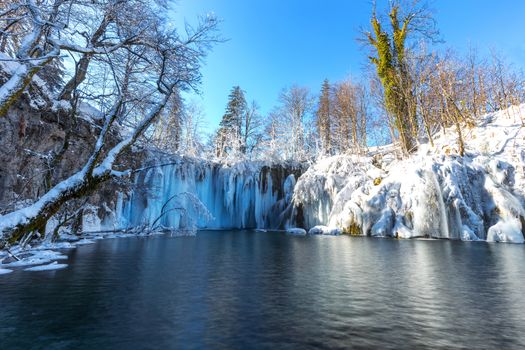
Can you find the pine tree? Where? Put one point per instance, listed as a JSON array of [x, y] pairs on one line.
[[231, 126], [323, 118]]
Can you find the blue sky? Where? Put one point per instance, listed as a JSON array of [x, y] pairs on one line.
[[277, 43]]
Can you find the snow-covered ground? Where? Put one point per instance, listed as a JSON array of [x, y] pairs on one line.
[[433, 193]]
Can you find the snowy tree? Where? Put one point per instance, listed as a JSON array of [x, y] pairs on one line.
[[324, 116], [252, 129], [142, 84], [191, 130], [296, 104], [229, 136], [350, 110], [167, 130], [289, 132]]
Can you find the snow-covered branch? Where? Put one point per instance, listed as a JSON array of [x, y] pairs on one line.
[[15, 224]]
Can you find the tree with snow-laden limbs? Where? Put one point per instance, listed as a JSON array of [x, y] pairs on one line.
[[155, 62], [350, 116]]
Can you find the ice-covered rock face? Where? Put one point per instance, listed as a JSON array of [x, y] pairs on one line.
[[439, 197], [431, 194], [327, 187], [244, 195]]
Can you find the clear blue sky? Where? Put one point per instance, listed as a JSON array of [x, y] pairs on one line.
[[277, 43]]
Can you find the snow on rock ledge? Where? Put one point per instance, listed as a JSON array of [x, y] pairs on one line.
[[324, 230], [433, 193]]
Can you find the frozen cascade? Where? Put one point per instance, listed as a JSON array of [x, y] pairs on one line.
[[431, 196], [243, 195], [443, 228], [433, 193]]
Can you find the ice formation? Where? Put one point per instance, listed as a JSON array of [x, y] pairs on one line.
[[434, 193], [179, 194]]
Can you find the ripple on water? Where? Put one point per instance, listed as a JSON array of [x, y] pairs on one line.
[[266, 290]]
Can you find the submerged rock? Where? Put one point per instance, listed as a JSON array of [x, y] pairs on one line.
[[296, 231]]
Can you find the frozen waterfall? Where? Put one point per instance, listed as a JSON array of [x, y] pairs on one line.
[[243, 195]]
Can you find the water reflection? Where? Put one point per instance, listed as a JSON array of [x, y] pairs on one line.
[[268, 290]]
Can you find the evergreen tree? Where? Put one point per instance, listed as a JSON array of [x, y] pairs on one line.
[[230, 134], [323, 118]]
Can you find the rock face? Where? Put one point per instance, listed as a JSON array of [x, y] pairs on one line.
[[434, 193], [33, 133], [28, 140]]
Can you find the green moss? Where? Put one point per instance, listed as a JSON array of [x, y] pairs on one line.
[[392, 71], [353, 229]]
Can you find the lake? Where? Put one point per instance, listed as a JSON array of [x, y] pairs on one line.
[[247, 289]]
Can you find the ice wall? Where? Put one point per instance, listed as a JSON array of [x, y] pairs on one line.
[[243, 195], [433, 193], [448, 197]]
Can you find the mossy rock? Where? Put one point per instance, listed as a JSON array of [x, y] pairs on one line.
[[353, 230]]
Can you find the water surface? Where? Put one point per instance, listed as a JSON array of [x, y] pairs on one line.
[[226, 290]]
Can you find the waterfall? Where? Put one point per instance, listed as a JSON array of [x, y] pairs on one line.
[[444, 229], [244, 195]]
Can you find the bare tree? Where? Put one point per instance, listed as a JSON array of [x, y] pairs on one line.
[[296, 103], [191, 129], [252, 136]]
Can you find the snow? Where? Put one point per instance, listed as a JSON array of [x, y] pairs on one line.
[[324, 230], [506, 231], [433, 193], [88, 112], [5, 271], [16, 71], [36, 257], [48, 267]]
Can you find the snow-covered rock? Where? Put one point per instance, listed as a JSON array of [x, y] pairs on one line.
[[433, 193], [324, 230], [296, 231]]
